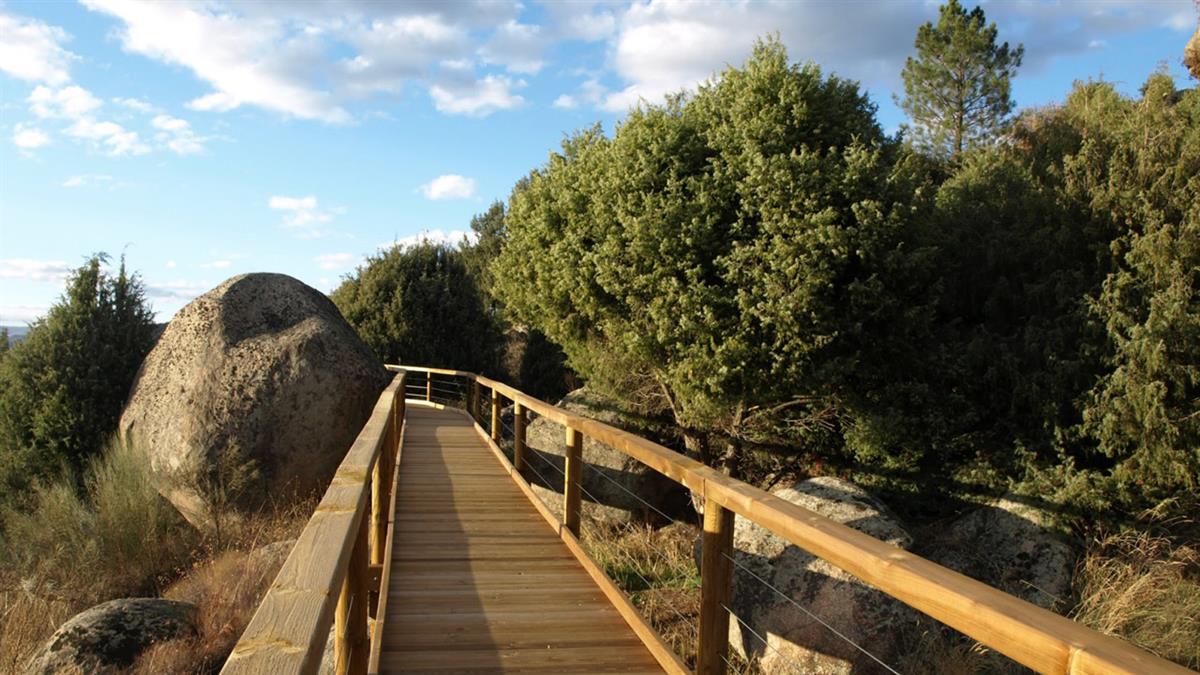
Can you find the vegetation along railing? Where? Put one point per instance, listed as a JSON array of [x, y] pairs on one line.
[[330, 560]]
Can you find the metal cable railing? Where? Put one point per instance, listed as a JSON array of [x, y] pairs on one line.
[[1028, 634]]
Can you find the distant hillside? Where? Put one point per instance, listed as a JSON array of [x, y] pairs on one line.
[[16, 333]]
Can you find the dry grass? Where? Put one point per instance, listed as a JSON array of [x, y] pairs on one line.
[[1146, 590], [121, 539], [70, 552], [226, 591], [226, 587]]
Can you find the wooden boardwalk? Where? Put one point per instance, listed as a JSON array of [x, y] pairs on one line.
[[480, 582]]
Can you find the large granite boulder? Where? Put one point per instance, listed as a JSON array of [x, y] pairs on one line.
[[1012, 546], [795, 641], [108, 637], [260, 371], [616, 487]]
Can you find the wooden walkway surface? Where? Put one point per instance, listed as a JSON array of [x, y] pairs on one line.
[[479, 581]]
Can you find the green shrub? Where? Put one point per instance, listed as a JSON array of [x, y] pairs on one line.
[[420, 305], [120, 538], [62, 387]]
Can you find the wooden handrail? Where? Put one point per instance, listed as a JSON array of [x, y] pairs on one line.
[[327, 569], [1026, 633]]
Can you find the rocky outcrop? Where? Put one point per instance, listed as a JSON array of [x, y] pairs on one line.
[[1012, 546], [108, 637], [809, 587], [262, 371], [616, 487]]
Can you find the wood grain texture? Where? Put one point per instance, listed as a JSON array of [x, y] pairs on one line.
[[478, 582], [715, 589], [1030, 635], [289, 629]]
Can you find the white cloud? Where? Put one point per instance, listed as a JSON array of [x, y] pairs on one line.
[[85, 180], [217, 265], [179, 290], [591, 92], [516, 46], [171, 264], [335, 261], [21, 314], [111, 137], [309, 60], [71, 102], [434, 236], [31, 50], [177, 135], [478, 99], [136, 104], [663, 46], [302, 215], [29, 138], [449, 186], [168, 123], [76, 104], [246, 59], [28, 269]]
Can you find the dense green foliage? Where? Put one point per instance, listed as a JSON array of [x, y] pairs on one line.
[[1145, 179], [421, 305], [62, 387], [725, 257], [759, 262], [957, 89]]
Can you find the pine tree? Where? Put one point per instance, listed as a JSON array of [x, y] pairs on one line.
[[62, 387], [957, 89]]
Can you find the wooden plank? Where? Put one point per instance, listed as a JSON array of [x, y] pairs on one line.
[[572, 479], [373, 665], [288, 630], [553, 658], [657, 647], [518, 436], [1024, 632], [715, 589], [474, 571], [495, 416]]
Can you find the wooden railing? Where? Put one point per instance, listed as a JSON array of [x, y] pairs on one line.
[[1030, 635], [332, 576]]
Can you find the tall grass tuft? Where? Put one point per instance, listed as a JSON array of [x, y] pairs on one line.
[[1145, 589], [70, 551]]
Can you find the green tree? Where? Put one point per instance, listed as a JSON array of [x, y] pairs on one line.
[[957, 89], [728, 258], [420, 305], [62, 388], [1145, 176]]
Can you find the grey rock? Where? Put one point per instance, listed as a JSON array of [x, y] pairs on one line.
[[1012, 546], [262, 366], [616, 487], [795, 640], [108, 637]]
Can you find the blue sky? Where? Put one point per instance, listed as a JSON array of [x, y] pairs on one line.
[[210, 139]]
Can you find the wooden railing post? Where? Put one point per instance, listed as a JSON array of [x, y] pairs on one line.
[[518, 436], [715, 588], [381, 486], [572, 474], [350, 637], [398, 420], [429, 387], [495, 416]]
